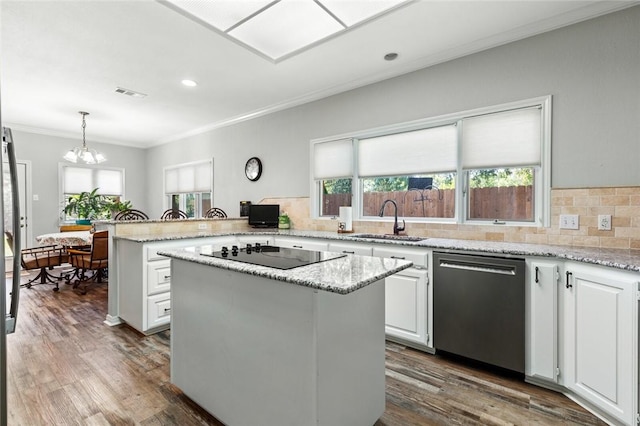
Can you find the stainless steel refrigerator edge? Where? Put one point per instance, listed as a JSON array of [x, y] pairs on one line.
[[8, 318]]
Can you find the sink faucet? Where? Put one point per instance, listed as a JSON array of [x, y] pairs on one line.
[[396, 228]]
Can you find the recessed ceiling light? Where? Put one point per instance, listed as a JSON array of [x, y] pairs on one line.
[[189, 83], [390, 56]]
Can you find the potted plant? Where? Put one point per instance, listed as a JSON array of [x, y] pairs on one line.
[[283, 221], [85, 206], [114, 206]]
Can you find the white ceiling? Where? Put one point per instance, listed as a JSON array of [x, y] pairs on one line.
[[61, 57]]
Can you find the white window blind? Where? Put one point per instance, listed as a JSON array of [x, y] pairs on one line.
[[188, 178], [430, 150], [505, 139], [85, 179], [333, 159]]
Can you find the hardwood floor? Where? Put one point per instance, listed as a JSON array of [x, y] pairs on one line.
[[65, 367]]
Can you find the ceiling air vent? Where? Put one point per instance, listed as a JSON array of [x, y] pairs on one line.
[[131, 93]]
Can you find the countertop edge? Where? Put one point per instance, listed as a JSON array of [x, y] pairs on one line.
[[628, 260]]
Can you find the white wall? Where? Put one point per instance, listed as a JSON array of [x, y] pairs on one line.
[[590, 68], [45, 153]]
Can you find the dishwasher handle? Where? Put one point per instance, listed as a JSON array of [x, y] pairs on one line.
[[478, 267]]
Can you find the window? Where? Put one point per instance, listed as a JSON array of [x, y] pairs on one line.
[[77, 179], [189, 187], [416, 169], [333, 170], [486, 165], [501, 156]]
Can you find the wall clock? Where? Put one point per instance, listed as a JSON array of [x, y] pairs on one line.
[[253, 169]]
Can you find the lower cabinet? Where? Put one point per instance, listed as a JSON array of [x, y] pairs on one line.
[[541, 363], [144, 281], [407, 298], [600, 339]]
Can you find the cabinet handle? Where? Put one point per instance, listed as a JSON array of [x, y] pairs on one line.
[[167, 310], [166, 277], [297, 246], [348, 252], [537, 274], [398, 257], [568, 274]]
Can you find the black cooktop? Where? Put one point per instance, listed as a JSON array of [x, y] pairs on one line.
[[273, 256]]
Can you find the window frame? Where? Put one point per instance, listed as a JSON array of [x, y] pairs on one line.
[[542, 176], [62, 196]]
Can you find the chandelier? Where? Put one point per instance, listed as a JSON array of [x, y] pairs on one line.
[[83, 153]]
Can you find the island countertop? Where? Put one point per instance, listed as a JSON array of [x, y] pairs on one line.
[[343, 275]]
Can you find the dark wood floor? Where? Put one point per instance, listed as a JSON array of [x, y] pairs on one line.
[[65, 367]]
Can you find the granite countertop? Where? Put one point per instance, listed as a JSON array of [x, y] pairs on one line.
[[615, 258], [342, 275]]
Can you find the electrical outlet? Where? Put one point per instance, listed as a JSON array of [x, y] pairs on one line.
[[202, 226], [569, 221], [604, 222]]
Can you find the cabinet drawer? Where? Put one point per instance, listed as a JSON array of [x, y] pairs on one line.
[[158, 277], [158, 310], [351, 248], [418, 257], [305, 244]]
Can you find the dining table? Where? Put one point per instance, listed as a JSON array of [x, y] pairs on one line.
[[66, 239]]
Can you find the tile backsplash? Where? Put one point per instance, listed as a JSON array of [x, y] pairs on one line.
[[622, 203]]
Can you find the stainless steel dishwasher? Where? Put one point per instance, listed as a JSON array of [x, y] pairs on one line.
[[479, 308]]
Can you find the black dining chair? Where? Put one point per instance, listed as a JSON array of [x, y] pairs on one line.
[[173, 214], [131, 214], [215, 212]]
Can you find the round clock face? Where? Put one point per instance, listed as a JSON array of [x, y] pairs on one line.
[[253, 168]]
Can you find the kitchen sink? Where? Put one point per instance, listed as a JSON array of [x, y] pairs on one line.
[[389, 237]]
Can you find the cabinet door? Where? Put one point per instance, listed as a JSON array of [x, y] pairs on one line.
[[542, 321], [599, 342], [302, 243], [406, 305]]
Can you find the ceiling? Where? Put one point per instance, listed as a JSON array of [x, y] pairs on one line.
[[62, 57]]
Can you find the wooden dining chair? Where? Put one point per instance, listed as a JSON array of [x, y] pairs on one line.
[[173, 214], [90, 265], [44, 258], [215, 212]]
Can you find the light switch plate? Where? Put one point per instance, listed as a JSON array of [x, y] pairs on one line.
[[569, 221]]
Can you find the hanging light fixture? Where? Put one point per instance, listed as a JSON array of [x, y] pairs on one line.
[[83, 153]]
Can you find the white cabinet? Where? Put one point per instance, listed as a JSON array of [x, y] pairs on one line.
[[351, 248], [407, 298], [542, 279], [600, 338], [302, 243], [144, 281]]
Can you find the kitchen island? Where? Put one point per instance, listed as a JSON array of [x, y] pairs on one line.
[[257, 345]]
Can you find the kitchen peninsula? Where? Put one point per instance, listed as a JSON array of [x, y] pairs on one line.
[[258, 345]]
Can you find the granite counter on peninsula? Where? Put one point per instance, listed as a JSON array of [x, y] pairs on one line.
[[257, 345]]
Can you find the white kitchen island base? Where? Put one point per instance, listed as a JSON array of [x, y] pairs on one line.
[[253, 350]]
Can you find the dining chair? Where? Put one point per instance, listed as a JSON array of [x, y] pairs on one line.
[[44, 258], [173, 214], [131, 214], [90, 265], [214, 212]]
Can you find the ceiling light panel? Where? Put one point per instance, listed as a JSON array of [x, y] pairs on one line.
[[353, 12], [286, 27], [221, 14]]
